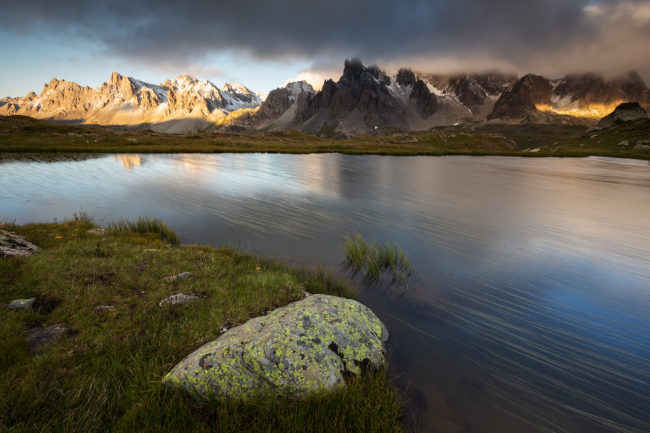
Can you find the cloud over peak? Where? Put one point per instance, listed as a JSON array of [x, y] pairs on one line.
[[545, 36]]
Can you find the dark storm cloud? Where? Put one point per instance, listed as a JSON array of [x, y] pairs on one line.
[[515, 32]]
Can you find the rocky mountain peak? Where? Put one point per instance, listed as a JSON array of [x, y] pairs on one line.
[[115, 78], [353, 70], [537, 88], [405, 77], [520, 102], [425, 101], [187, 78], [295, 88], [54, 82], [360, 100], [121, 86], [236, 88]]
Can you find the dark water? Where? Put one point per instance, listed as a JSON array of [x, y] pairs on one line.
[[530, 308]]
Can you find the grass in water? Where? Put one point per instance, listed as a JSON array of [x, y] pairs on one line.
[[373, 260], [146, 225], [105, 376]]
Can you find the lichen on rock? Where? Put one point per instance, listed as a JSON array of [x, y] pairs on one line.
[[308, 345]]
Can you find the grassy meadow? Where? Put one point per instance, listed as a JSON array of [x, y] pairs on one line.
[[24, 134], [105, 375]]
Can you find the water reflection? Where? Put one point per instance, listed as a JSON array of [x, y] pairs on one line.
[[129, 161], [529, 311]]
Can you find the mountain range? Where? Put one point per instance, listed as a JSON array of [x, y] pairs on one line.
[[363, 99]]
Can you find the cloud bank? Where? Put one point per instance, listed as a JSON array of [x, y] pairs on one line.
[[552, 37]]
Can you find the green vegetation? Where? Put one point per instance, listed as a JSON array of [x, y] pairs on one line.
[[146, 225], [24, 134], [106, 375], [373, 260]]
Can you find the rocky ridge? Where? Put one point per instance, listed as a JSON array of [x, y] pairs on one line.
[[364, 99], [586, 96], [179, 105]]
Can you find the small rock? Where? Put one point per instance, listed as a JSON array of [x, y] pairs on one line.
[[151, 250], [535, 150], [641, 147], [21, 304], [223, 330], [307, 293], [13, 245], [96, 232], [105, 308], [181, 276], [178, 299], [40, 304], [623, 143], [39, 337]]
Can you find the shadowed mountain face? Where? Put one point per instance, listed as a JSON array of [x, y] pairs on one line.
[[521, 101], [625, 113], [363, 99], [588, 96], [366, 98], [359, 101]]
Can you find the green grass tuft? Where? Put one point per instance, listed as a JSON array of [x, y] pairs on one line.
[[146, 225], [82, 217], [373, 260]]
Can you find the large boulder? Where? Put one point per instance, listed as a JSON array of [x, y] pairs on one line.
[[624, 113], [308, 345]]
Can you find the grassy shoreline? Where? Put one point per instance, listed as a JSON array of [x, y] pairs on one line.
[[20, 134], [105, 376]]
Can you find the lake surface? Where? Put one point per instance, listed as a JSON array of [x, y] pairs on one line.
[[530, 309]]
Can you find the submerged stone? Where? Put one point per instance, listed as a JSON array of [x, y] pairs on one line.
[[308, 345]]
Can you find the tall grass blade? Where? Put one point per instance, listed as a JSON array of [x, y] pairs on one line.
[[372, 261]]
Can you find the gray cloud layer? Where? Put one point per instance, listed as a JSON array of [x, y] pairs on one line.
[[546, 36]]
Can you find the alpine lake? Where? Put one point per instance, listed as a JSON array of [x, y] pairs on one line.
[[530, 307]]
